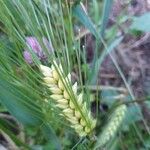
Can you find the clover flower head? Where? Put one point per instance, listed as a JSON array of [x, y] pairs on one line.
[[33, 43]]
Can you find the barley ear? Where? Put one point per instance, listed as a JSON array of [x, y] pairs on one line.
[[112, 127], [71, 104]]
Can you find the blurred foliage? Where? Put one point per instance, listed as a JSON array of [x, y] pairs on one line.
[[140, 23]]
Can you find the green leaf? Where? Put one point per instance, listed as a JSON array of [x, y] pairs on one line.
[[134, 114], [51, 137], [19, 105], [141, 23], [108, 97], [96, 67], [105, 16], [80, 14]]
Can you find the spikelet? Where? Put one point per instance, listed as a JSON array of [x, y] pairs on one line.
[[74, 110], [109, 132]]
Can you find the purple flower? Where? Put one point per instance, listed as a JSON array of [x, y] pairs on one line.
[[27, 57], [37, 49]]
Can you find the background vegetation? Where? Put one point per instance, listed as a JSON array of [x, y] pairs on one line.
[[104, 45]]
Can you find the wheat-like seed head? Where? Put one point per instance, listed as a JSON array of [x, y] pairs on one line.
[[65, 95], [112, 126]]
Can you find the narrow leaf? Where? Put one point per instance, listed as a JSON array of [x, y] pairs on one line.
[[51, 137], [80, 14], [99, 61], [14, 102], [105, 16]]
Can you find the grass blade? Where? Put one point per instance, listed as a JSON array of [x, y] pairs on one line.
[[105, 16], [80, 14]]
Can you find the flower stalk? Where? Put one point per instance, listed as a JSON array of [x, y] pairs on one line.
[[72, 106]]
